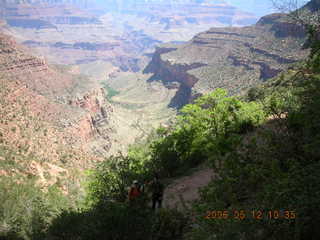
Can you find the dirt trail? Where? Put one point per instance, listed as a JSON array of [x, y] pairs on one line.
[[187, 187]]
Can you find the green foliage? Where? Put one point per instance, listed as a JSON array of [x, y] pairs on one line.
[[107, 214], [314, 41], [111, 179], [255, 93], [110, 91], [260, 164], [119, 221], [204, 130], [274, 168], [26, 211]]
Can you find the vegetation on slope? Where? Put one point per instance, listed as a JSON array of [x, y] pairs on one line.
[[110, 91], [25, 210], [275, 168], [264, 152], [265, 155]]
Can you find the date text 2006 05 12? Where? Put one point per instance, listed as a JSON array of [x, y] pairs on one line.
[[253, 214]]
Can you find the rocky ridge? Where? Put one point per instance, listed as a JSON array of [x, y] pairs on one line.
[[231, 58]]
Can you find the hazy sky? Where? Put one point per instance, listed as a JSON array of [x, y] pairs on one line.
[[258, 7]]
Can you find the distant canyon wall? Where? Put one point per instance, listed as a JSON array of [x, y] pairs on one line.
[[77, 32], [231, 58]]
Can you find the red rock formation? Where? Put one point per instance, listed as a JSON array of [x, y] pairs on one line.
[[98, 112], [40, 117]]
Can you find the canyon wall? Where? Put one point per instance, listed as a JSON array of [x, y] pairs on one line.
[[53, 124], [70, 32], [231, 58]]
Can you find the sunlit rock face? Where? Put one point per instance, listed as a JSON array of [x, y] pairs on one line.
[[51, 120], [66, 101]]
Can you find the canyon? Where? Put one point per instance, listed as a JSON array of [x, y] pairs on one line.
[[67, 34], [80, 83], [109, 46], [55, 123]]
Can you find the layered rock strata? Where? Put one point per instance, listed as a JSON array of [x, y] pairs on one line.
[[48, 119], [72, 33], [231, 58]]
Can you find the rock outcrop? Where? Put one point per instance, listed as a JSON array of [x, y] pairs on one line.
[[95, 125], [231, 58]]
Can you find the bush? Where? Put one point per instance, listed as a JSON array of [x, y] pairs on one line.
[[107, 215], [26, 211], [111, 179], [118, 221], [204, 130]]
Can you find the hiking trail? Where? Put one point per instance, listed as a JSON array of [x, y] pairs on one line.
[[187, 187]]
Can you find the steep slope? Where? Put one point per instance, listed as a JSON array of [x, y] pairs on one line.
[[50, 121], [231, 58]]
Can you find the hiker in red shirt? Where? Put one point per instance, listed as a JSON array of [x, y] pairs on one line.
[[134, 192]]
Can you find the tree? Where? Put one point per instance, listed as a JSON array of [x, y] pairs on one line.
[[307, 16]]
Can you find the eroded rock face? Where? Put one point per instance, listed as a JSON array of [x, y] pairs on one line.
[[41, 117], [231, 58], [189, 12], [95, 124], [170, 72]]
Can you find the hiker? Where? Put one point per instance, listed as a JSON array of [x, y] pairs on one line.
[[143, 198], [134, 192], [142, 187], [157, 189]]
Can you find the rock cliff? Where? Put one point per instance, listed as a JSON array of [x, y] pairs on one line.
[[231, 58]]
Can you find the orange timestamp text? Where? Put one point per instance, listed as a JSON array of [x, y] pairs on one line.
[[253, 214]]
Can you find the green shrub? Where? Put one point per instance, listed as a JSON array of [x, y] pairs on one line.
[[26, 211], [118, 221], [204, 130], [111, 179], [110, 91]]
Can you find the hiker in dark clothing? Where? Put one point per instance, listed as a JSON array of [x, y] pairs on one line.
[[157, 190]]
